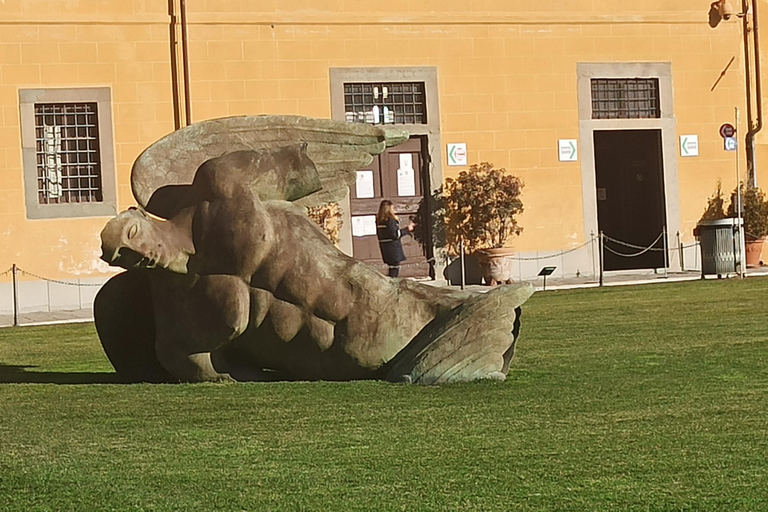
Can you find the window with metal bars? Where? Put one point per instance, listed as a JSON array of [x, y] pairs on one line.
[[67, 153], [385, 103], [625, 98]]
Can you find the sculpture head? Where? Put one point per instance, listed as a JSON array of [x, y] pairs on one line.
[[133, 239]]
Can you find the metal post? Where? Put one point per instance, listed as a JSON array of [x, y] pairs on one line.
[[740, 225], [14, 270], [592, 244], [601, 242], [666, 254], [461, 249], [680, 249]]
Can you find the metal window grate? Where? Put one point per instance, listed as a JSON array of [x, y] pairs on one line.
[[385, 103], [67, 147], [625, 98]]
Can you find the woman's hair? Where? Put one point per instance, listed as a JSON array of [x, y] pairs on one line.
[[385, 211]]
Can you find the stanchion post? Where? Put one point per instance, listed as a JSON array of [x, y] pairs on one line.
[[461, 250], [592, 244], [680, 249], [666, 252], [14, 270], [601, 242]]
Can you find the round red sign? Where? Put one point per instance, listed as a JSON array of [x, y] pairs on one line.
[[727, 130]]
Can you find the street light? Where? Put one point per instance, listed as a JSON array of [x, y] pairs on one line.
[[723, 10]]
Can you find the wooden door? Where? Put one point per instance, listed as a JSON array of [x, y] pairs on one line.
[[397, 175], [630, 197]]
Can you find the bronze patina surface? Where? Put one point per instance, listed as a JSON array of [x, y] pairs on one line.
[[228, 279]]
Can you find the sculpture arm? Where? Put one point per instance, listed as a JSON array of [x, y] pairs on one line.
[[195, 317]]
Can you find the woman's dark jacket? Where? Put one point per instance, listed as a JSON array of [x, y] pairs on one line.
[[389, 242]]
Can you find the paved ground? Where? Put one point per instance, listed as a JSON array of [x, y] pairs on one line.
[[560, 283]]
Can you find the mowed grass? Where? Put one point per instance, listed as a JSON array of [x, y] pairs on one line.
[[632, 398]]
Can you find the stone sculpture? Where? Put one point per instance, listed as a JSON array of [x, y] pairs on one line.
[[228, 279]]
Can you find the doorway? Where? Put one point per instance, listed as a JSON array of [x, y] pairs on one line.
[[630, 198], [398, 175]]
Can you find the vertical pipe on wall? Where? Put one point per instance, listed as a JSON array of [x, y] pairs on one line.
[[748, 143], [758, 118], [174, 64], [185, 63]]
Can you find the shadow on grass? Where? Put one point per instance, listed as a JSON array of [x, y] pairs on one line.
[[17, 374]]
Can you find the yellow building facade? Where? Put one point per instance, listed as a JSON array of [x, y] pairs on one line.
[[556, 92]]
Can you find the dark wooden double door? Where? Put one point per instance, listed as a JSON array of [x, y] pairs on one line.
[[398, 175]]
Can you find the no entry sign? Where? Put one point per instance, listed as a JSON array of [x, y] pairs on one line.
[[727, 130]]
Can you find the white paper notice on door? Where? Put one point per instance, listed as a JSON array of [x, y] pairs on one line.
[[364, 225], [406, 176], [364, 184]]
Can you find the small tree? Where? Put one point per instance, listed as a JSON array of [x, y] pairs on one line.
[[754, 208], [328, 217], [715, 205], [478, 206]]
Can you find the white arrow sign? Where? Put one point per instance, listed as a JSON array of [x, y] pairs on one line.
[[457, 154], [567, 150], [689, 145]]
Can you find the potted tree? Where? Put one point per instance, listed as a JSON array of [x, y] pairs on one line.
[[477, 208], [754, 211]]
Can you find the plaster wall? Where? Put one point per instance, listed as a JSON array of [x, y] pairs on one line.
[[506, 79]]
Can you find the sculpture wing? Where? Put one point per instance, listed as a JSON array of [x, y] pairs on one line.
[[336, 149], [474, 341]]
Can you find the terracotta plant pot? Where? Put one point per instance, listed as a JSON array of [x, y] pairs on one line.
[[753, 250], [497, 265]]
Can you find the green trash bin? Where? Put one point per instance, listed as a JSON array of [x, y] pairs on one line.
[[720, 246]]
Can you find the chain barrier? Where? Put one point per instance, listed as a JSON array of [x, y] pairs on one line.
[[623, 255], [554, 255], [30, 274], [632, 246], [643, 250], [519, 258]]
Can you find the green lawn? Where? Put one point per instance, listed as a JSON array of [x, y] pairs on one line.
[[633, 398]]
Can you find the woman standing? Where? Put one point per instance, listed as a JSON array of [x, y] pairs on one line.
[[389, 234]]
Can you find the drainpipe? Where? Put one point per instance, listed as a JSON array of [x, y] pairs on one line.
[[177, 11], [185, 63], [174, 64], [758, 124]]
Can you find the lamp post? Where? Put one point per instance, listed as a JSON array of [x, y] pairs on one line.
[[723, 10]]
